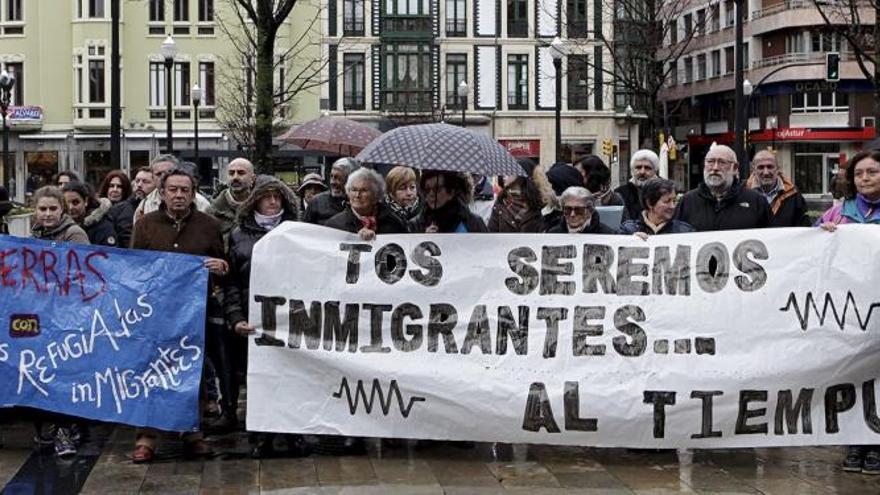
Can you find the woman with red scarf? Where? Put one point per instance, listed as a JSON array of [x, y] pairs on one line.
[[366, 215]]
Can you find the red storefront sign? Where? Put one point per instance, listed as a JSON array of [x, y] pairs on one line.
[[522, 148], [808, 134]]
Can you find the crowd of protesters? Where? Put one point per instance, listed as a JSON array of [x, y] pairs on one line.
[[161, 209]]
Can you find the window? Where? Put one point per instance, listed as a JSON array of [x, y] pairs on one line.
[[819, 101], [456, 18], [182, 84], [16, 69], [407, 81], [517, 19], [206, 10], [673, 73], [745, 55], [456, 72], [157, 10], [701, 22], [353, 17], [688, 70], [353, 94], [577, 24], [716, 63], [715, 17], [824, 41], [78, 79], [518, 82], [181, 10], [206, 82], [794, 43], [729, 13], [96, 9], [96, 81], [157, 87], [578, 83], [673, 32], [13, 11], [688, 26], [701, 67], [729, 60]]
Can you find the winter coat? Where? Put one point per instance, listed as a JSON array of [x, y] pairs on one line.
[[386, 221], [595, 227], [98, 225], [788, 208], [454, 217], [740, 208], [241, 246], [505, 220], [632, 202], [671, 227], [5, 207], [122, 217], [66, 231], [224, 209], [848, 211], [323, 207], [402, 212], [154, 199]]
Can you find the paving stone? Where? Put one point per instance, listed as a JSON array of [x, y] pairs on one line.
[[345, 471]]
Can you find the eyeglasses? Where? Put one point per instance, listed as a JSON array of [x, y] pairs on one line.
[[575, 210], [720, 162], [359, 192]]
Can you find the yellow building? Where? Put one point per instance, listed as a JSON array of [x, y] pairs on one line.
[[59, 52]]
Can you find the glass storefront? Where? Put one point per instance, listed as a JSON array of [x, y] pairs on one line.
[[97, 165], [41, 166], [814, 166]]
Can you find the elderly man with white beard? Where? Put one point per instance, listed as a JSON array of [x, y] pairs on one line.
[[722, 202], [643, 166]]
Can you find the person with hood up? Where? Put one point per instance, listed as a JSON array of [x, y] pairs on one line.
[[89, 213], [721, 202], [402, 186], [329, 203], [579, 215], [788, 208], [643, 166], [519, 205], [225, 205], [366, 214], [447, 196], [270, 203], [658, 203], [311, 185]]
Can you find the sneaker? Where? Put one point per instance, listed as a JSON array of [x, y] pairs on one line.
[[871, 464], [64, 444], [853, 461]]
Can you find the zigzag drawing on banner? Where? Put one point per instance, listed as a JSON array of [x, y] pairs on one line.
[[809, 306], [384, 400]]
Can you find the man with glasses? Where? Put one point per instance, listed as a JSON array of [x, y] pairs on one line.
[[722, 202], [579, 214]]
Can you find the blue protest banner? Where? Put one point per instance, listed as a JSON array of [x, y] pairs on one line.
[[102, 333]]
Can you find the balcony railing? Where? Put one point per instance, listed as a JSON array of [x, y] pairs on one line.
[[786, 5], [408, 24], [353, 101], [353, 26], [790, 58], [518, 29], [408, 100], [456, 27]]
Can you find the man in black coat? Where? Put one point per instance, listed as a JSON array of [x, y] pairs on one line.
[[122, 213], [722, 202], [788, 208], [643, 167], [329, 203]]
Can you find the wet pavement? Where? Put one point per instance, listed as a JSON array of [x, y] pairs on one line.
[[103, 467]]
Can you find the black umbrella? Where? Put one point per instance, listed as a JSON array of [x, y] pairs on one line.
[[441, 147]]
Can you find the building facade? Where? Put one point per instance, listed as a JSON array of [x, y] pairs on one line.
[[812, 123], [59, 52], [393, 62]]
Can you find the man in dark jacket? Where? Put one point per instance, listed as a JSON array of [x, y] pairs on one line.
[[180, 228], [722, 202], [122, 213], [643, 167], [225, 206], [788, 208], [579, 214], [329, 203]]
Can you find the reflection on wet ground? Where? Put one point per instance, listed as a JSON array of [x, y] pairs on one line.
[[103, 467]]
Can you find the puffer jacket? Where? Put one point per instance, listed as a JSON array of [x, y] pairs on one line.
[[671, 227], [848, 211], [66, 231], [788, 208], [740, 208], [224, 208], [241, 246], [98, 225]]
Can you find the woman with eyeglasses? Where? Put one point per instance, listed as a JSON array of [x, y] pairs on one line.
[[579, 215], [366, 215], [447, 196], [658, 203]]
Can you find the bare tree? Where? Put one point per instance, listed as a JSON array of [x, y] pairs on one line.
[[856, 22]]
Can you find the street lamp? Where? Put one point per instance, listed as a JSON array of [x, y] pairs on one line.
[[772, 124], [556, 51], [169, 51], [739, 121], [196, 93], [462, 96], [629, 150], [7, 82], [744, 114]]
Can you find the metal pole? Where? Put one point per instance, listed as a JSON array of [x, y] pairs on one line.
[[196, 105], [6, 169], [463, 108], [169, 68], [629, 146], [115, 89], [739, 125], [557, 65]]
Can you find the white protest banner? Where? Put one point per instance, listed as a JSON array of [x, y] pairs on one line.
[[721, 339]]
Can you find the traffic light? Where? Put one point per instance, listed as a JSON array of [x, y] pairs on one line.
[[832, 66], [607, 147]]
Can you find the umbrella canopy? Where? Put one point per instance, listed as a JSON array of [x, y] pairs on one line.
[[335, 135], [441, 147]]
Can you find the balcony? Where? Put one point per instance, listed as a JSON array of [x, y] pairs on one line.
[[354, 101], [353, 26], [518, 29], [407, 27], [408, 100], [456, 27]]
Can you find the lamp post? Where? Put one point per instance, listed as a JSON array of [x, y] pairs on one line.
[[196, 93], [742, 113], [629, 150], [169, 51], [7, 82], [462, 96], [772, 123], [556, 51]]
